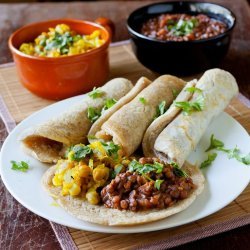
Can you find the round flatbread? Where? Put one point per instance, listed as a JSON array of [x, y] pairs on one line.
[[114, 217]]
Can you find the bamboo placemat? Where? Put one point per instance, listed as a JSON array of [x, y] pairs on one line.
[[22, 103]]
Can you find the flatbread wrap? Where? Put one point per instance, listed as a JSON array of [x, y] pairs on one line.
[[175, 135], [127, 125], [46, 141], [100, 214]]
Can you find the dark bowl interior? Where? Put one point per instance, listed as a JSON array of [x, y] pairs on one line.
[[182, 58]]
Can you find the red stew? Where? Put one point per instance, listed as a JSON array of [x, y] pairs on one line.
[[182, 27]]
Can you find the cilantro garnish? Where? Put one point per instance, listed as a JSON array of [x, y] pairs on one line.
[[161, 109], [209, 160], [93, 114], [111, 148], [79, 152], [214, 144], [193, 89], [182, 27], [108, 104], [142, 100], [61, 42], [189, 107], [135, 166], [158, 183], [116, 171], [231, 153], [177, 170], [96, 93], [20, 166]]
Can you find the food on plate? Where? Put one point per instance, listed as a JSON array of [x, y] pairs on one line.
[[62, 41], [175, 134], [182, 27], [46, 141], [128, 124], [141, 192]]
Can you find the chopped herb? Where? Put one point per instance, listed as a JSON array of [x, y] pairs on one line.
[[62, 42], [93, 114], [193, 89], [111, 149], [96, 93], [182, 27], [79, 152], [161, 109], [20, 166], [232, 153], [142, 100], [135, 166], [158, 184], [116, 171], [175, 93], [178, 171], [214, 144], [189, 107], [209, 160], [108, 104]]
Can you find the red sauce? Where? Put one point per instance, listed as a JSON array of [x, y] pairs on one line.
[[182, 27]]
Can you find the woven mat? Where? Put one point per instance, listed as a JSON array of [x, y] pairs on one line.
[[22, 103]]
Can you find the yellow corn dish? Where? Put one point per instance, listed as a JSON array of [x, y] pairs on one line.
[[86, 168], [62, 41]]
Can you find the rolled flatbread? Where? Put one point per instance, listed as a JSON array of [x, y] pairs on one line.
[[83, 210], [46, 141], [127, 126], [181, 136]]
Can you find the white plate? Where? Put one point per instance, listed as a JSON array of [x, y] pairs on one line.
[[225, 179]]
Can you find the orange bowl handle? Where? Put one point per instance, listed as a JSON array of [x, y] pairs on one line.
[[107, 24]]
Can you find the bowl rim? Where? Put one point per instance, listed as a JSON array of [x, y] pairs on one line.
[[64, 58], [139, 35]]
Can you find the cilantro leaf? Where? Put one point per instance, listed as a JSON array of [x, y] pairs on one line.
[[79, 152], [231, 153], [178, 171], [214, 143], [111, 148], [108, 104], [209, 160], [116, 171], [182, 27], [193, 89], [161, 109], [189, 107], [20, 166], [158, 183], [96, 93], [142, 100], [93, 114], [135, 166]]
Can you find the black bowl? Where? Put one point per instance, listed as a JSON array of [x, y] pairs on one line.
[[181, 58]]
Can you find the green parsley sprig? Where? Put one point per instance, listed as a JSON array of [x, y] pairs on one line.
[[108, 104], [182, 27], [161, 109], [93, 114], [208, 161], [189, 107], [78, 152], [178, 171], [111, 148], [142, 100], [20, 166], [218, 145], [96, 93]]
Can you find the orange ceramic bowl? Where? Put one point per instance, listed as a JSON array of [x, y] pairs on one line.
[[61, 77]]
